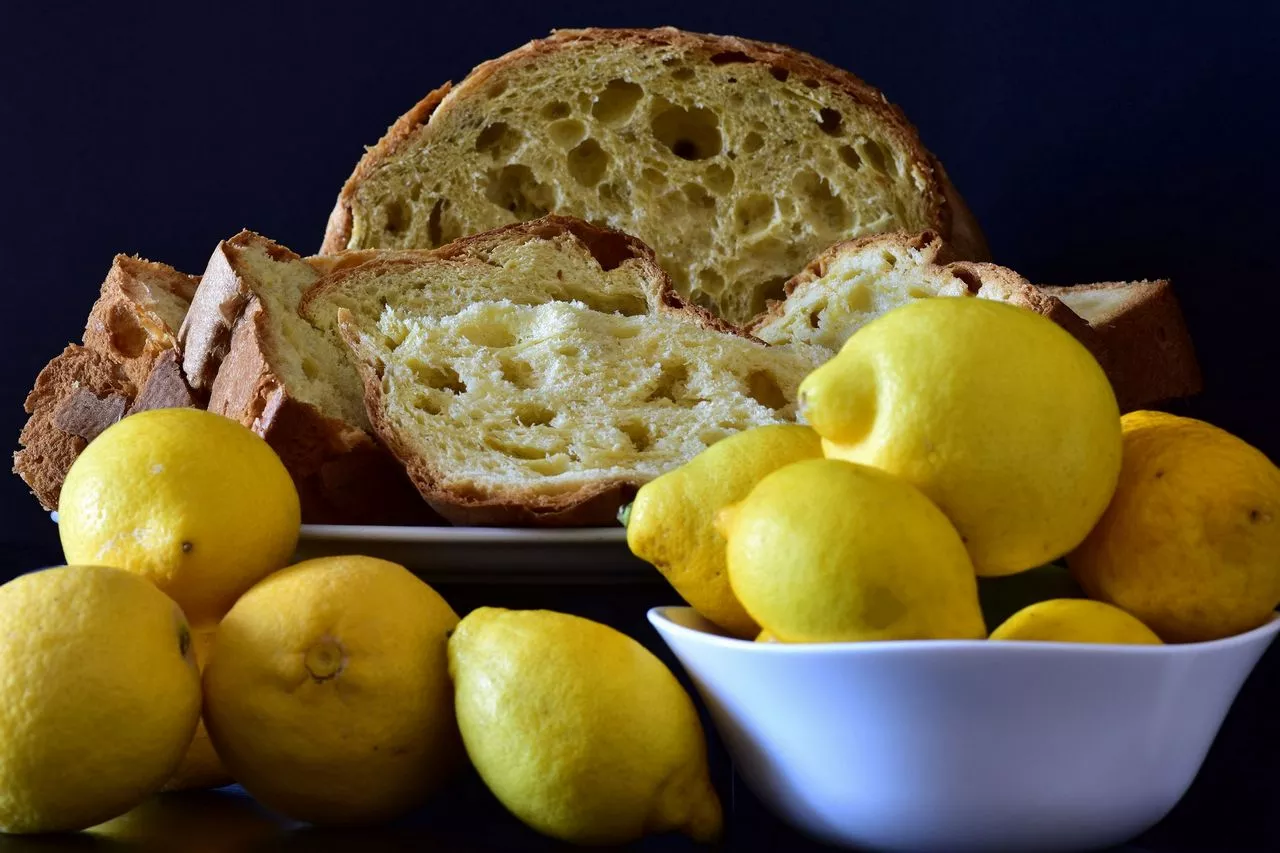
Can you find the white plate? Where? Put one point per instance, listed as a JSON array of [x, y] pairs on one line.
[[487, 554]]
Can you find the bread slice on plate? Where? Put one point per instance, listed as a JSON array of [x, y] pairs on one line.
[[1142, 327], [245, 346], [128, 349], [735, 160], [856, 281], [537, 375]]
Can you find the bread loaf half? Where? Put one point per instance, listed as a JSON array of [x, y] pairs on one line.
[[736, 160], [128, 349], [1141, 325], [539, 374]]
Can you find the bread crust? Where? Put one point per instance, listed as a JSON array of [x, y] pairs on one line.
[[81, 387], [1153, 359], [951, 216], [121, 327], [591, 505]]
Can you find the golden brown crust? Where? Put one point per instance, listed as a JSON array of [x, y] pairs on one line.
[[47, 451], [949, 212], [1152, 358]]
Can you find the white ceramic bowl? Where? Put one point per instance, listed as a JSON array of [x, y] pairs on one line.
[[965, 745]]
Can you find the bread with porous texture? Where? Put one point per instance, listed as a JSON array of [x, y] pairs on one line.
[[1141, 325], [129, 336], [735, 160], [245, 345], [854, 282], [539, 374]]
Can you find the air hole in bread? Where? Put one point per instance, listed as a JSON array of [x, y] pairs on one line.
[[765, 390], [698, 196], [829, 121], [770, 289], [567, 132], [616, 102], [497, 88], [638, 434], [310, 369], [428, 404], [588, 163], [710, 282], [126, 334], [441, 377], [568, 350], [815, 319], [514, 449], [682, 74], [719, 179], [514, 188], [549, 467], [434, 233], [971, 280], [858, 299], [615, 193], [493, 335], [873, 155], [754, 213], [752, 142], [623, 333], [516, 371], [690, 134], [556, 109], [824, 207], [725, 57], [889, 258], [534, 414], [811, 83], [498, 140], [779, 74], [915, 291], [672, 382], [398, 216], [850, 157]]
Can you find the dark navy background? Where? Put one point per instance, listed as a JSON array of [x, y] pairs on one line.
[[1093, 141]]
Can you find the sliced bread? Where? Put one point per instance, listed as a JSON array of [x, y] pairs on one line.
[[538, 374], [129, 342], [853, 282], [736, 160], [260, 363], [1141, 325]]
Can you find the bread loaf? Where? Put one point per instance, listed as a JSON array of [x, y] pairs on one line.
[[540, 373], [129, 337], [736, 160], [245, 345], [1142, 327]]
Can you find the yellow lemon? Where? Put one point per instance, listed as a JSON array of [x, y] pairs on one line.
[[191, 500], [99, 695], [201, 767], [1191, 541], [670, 523], [328, 692], [579, 730], [997, 414], [825, 550], [1075, 620]]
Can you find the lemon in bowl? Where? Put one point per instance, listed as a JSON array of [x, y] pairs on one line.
[[965, 745]]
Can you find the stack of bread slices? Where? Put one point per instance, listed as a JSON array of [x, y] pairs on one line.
[[594, 257]]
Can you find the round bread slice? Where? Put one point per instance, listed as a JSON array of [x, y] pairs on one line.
[[736, 161]]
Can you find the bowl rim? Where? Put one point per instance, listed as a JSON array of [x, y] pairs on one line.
[[662, 622]]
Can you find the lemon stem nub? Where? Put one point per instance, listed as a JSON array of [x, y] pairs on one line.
[[326, 659]]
